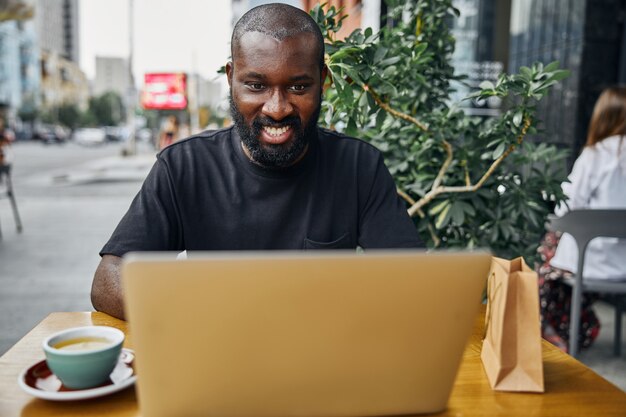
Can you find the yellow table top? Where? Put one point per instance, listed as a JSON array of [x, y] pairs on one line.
[[572, 389]]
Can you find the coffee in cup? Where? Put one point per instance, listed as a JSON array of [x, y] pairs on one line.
[[83, 357], [83, 343]]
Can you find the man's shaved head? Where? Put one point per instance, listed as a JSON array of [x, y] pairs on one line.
[[279, 21]]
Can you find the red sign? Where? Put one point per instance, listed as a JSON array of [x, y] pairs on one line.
[[164, 91]]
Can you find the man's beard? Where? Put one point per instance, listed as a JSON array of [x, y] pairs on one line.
[[274, 156]]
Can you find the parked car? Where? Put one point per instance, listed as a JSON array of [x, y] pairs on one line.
[[48, 133], [90, 136], [117, 133], [26, 132], [145, 135], [113, 133]]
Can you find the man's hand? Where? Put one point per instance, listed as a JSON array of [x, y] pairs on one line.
[[106, 289]]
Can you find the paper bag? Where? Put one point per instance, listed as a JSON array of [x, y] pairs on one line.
[[511, 352]]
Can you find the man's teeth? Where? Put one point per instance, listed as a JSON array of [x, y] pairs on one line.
[[276, 131]]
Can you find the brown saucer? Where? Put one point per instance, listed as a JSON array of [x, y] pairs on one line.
[[40, 382]]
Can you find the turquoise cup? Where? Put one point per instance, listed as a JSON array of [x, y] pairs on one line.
[[83, 357]]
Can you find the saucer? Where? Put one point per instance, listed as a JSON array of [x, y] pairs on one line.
[[39, 381]]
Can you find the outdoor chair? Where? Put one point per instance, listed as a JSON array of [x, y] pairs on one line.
[[585, 225], [6, 189]]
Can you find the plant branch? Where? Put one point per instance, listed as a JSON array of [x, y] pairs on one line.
[[444, 166], [436, 190], [420, 213], [393, 112], [433, 235], [410, 119], [511, 148], [405, 196]]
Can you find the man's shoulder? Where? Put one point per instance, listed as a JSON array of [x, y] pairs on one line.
[[337, 141], [205, 139], [207, 136]]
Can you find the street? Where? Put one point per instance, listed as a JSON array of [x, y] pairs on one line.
[[70, 198]]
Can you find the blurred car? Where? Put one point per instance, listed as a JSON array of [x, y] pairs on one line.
[[48, 133], [26, 132], [114, 133], [90, 136], [145, 135], [117, 133]]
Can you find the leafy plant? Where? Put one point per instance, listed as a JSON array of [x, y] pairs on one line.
[[69, 115], [468, 182], [107, 109]]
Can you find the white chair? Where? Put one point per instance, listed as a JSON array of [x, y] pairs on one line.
[[585, 225]]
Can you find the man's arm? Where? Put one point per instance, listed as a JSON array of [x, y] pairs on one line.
[[150, 224], [106, 289]]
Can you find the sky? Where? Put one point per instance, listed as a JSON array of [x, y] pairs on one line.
[[169, 35]]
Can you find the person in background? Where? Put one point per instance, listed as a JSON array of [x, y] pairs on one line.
[[597, 181], [170, 132], [6, 138]]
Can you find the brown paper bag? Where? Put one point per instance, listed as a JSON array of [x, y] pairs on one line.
[[511, 352]]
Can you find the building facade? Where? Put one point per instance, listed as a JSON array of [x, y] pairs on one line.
[[57, 27], [112, 74], [62, 82], [350, 8], [587, 37], [481, 51], [19, 68]]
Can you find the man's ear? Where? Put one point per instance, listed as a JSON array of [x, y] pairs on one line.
[[229, 73], [325, 82]]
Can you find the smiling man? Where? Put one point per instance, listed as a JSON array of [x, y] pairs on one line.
[[274, 180], [276, 86]]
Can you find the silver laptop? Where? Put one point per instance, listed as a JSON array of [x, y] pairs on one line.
[[300, 334]]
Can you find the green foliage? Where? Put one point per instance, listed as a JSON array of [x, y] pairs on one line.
[[87, 118], [476, 183], [107, 109], [69, 115]]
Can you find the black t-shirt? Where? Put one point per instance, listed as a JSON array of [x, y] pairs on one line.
[[203, 193]]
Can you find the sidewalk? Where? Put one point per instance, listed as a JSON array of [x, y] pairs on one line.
[[111, 169], [599, 356], [70, 199]]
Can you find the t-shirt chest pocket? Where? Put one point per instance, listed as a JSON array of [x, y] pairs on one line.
[[342, 242]]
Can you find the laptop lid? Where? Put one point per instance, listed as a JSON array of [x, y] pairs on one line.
[[310, 334]]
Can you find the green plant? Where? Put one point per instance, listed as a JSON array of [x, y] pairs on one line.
[[467, 182], [69, 115], [107, 109]]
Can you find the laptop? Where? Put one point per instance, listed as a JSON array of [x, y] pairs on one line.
[[300, 333]]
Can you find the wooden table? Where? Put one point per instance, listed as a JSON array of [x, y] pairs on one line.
[[572, 389]]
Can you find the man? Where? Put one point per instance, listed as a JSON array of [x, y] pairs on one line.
[[274, 180]]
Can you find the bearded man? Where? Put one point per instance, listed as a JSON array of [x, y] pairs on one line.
[[274, 180]]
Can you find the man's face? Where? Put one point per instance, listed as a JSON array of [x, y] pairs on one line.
[[275, 89]]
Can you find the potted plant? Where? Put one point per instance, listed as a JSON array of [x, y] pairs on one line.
[[468, 182]]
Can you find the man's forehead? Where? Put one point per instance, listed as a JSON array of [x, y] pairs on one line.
[[253, 42]]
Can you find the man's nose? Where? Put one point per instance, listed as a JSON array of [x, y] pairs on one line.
[[277, 106]]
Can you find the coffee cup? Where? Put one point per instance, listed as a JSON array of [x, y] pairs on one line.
[[83, 357]]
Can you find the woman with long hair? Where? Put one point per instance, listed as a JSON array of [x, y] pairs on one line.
[[597, 181]]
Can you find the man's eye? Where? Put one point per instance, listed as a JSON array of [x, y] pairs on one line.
[[255, 86], [298, 87]]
